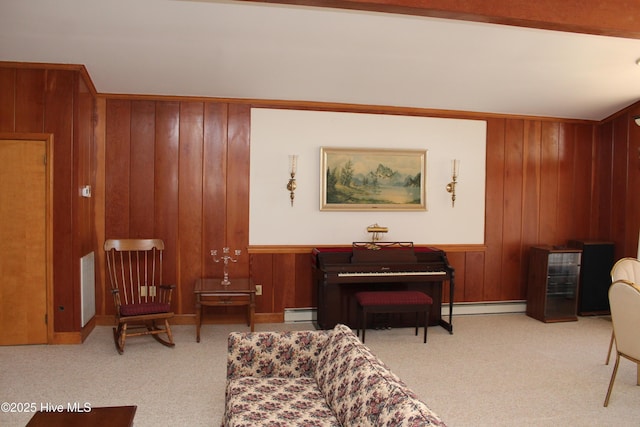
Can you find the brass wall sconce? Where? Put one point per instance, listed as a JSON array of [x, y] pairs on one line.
[[451, 187], [291, 185], [636, 119]]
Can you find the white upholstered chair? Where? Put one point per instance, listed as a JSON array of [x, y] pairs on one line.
[[624, 300], [628, 270]]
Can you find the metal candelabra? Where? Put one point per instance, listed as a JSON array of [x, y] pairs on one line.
[[225, 258]]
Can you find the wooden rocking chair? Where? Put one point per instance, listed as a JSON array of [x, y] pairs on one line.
[[141, 299]]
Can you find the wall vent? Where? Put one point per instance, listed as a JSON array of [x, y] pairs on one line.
[[87, 287]]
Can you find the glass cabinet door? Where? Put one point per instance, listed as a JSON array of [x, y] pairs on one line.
[[562, 283]]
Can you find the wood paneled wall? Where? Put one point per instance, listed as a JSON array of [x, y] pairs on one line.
[[178, 169], [618, 181], [59, 100]]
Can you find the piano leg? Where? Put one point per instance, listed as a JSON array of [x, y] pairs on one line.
[[449, 325]]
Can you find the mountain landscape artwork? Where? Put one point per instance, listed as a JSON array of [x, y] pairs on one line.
[[370, 179]]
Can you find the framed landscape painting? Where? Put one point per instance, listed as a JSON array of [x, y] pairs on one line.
[[365, 179]]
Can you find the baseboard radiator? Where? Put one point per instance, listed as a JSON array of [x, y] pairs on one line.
[[87, 287], [293, 315]]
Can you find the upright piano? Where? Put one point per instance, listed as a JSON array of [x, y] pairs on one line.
[[340, 272]]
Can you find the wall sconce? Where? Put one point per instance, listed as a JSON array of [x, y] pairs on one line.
[[451, 187], [637, 120], [291, 185]]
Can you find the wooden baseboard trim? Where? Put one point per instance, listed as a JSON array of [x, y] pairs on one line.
[[61, 338]]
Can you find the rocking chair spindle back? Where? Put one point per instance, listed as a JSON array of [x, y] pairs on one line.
[[141, 298]]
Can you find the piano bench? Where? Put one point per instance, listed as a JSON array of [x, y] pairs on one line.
[[392, 302]]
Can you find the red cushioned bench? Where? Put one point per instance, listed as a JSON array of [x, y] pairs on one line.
[[393, 302]]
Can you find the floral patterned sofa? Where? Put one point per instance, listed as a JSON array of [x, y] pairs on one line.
[[315, 378]]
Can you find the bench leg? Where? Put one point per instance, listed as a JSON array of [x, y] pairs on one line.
[[426, 324], [364, 323]]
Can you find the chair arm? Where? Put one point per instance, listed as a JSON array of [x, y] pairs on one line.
[[274, 354]]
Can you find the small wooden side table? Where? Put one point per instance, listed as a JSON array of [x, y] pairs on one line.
[[210, 292]]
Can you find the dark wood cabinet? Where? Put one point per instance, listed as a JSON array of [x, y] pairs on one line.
[[595, 276], [552, 288]]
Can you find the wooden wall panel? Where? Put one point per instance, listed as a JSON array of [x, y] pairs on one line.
[[262, 273], [59, 106], [633, 206], [532, 213], [620, 183], [30, 100], [7, 99], [103, 295], [284, 282], [566, 225], [603, 194], [494, 212], [141, 168], [513, 212], [474, 276], [214, 188], [190, 202], [237, 183], [118, 166], [458, 261], [549, 183], [165, 215], [85, 167], [583, 181], [306, 294]]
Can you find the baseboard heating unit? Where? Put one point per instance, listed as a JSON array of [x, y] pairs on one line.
[[293, 315]]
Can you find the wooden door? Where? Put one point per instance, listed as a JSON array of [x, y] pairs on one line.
[[23, 243]]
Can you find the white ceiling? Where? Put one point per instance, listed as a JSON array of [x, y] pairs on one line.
[[277, 52]]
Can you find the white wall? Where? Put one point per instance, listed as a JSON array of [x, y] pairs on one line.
[[275, 134]]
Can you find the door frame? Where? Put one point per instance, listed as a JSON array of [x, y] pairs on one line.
[[47, 138]]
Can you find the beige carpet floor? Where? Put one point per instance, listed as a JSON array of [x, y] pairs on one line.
[[495, 370]]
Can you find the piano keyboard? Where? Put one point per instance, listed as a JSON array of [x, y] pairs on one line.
[[391, 273]]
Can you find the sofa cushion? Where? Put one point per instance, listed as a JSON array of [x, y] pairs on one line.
[[276, 402], [274, 354]]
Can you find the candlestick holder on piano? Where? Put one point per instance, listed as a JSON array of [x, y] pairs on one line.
[[225, 258]]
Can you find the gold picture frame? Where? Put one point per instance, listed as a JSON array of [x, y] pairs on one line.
[[364, 179]]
